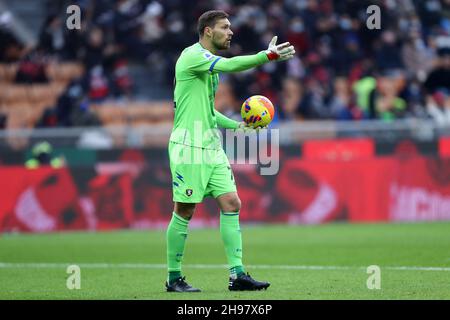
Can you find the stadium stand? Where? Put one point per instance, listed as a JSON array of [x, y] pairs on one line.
[[124, 55]]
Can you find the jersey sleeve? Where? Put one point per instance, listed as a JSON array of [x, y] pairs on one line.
[[208, 62], [225, 122], [239, 63], [203, 61]]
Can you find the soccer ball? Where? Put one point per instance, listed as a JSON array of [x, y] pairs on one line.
[[257, 111]]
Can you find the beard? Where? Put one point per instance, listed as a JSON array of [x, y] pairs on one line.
[[222, 44]]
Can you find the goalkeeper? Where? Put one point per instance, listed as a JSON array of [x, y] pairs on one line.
[[196, 82]]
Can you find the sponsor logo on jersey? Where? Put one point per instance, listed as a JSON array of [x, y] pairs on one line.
[[208, 56]]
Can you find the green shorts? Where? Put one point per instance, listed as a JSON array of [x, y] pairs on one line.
[[198, 173]]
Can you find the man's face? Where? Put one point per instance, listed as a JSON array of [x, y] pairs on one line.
[[221, 34]]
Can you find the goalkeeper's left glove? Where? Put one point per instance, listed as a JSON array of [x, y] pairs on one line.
[[244, 127], [279, 52]]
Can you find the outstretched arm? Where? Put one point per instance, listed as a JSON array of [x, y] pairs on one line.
[[239, 63], [275, 52]]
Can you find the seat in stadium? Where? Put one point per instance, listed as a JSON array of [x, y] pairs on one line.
[[65, 72], [14, 93], [8, 72]]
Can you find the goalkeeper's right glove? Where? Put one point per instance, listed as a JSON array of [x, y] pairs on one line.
[[279, 52]]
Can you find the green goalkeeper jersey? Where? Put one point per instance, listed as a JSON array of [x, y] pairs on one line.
[[196, 80]]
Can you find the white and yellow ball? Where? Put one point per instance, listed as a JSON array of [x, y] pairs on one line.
[[257, 111]]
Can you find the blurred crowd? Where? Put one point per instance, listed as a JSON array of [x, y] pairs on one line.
[[343, 69]]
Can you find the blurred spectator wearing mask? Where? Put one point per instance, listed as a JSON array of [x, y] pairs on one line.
[[297, 35], [72, 109], [388, 52], [313, 104], [42, 155], [430, 13], [346, 54]]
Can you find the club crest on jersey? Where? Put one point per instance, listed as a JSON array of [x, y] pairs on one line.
[[189, 192]]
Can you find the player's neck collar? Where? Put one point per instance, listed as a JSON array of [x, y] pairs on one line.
[[204, 47]]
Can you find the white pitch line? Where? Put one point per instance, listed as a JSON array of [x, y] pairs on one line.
[[37, 265], [411, 268]]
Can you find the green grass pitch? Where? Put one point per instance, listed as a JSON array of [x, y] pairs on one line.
[[301, 262]]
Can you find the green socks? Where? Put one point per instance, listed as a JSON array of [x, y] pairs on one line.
[[232, 240], [173, 275], [231, 237], [236, 271], [176, 239]]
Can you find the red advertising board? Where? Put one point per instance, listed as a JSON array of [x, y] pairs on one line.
[[394, 188], [342, 149], [444, 147]]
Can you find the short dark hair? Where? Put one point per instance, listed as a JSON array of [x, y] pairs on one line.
[[209, 19]]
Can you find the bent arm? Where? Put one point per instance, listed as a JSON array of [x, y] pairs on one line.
[[225, 122], [239, 63]]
